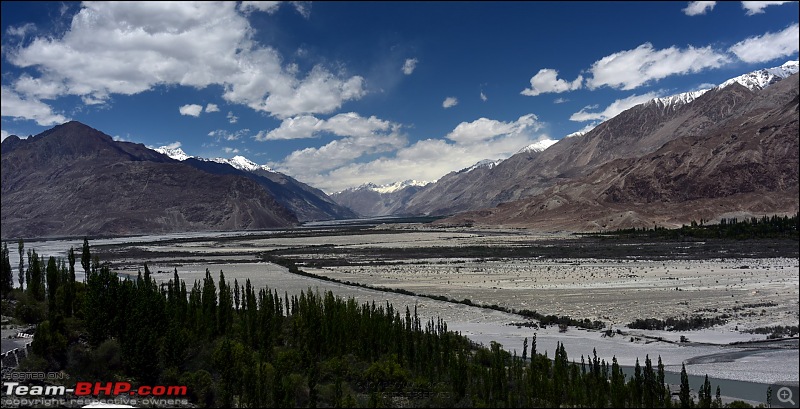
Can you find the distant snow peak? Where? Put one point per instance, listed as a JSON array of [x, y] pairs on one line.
[[679, 99], [755, 80], [238, 161], [486, 163], [539, 146], [578, 133], [242, 163], [174, 153], [763, 78], [388, 188], [393, 187]]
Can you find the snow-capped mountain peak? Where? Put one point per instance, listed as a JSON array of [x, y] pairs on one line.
[[538, 146], [238, 161], [486, 163], [765, 77], [174, 153], [242, 163], [393, 187], [755, 80], [679, 99], [578, 133], [387, 188]]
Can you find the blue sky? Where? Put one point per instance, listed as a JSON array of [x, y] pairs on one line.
[[338, 94]]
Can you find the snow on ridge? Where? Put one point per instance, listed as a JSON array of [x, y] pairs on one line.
[[387, 188], [393, 187], [763, 78], [482, 164], [578, 133], [754, 80], [238, 162], [242, 163], [540, 145], [174, 153], [679, 99]]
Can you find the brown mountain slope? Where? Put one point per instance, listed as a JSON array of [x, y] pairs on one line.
[[638, 131], [742, 164], [74, 180]]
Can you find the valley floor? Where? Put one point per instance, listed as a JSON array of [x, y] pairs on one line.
[[556, 274]]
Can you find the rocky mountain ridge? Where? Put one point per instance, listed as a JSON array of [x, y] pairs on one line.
[[73, 180], [734, 152]]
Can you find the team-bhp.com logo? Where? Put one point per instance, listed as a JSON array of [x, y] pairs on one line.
[[17, 394], [94, 389]]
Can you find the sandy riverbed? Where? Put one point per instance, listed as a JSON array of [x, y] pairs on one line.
[[753, 292]]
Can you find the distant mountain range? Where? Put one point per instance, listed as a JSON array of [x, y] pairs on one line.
[[74, 180], [306, 202], [370, 200], [728, 151], [731, 151], [632, 135]]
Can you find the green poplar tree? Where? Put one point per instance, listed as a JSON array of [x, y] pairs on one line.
[[663, 394], [35, 276], [705, 394], [86, 257], [650, 389], [617, 384], [6, 278], [52, 286], [69, 285], [685, 395], [21, 275], [209, 303]]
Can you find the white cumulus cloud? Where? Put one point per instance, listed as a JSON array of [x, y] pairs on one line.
[[631, 69], [16, 106], [191, 110], [409, 66], [450, 102], [21, 31], [769, 46], [427, 159], [336, 166], [613, 109], [345, 124], [270, 7], [311, 163], [757, 7], [131, 47], [221, 134], [546, 80], [699, 7], [212, 108], [483, 129]]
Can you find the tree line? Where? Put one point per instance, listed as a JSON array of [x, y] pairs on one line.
[[774, 227]]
